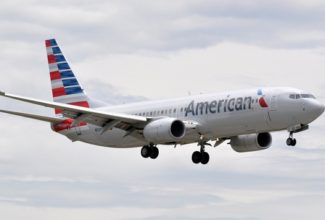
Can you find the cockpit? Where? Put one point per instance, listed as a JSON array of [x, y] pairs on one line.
[[301, 96]]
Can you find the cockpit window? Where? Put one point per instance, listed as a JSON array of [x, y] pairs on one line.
[[294, 96], [310, 96], [298, 96]]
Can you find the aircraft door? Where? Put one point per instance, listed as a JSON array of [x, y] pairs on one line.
[[273, 103]]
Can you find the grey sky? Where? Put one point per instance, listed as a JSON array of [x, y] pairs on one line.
[[124, 51]]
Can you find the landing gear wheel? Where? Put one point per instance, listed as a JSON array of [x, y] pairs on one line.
[[201, 156], [205, 157], [145, 151], [291, 141], [154, 152], [150, 151], [196, 157]]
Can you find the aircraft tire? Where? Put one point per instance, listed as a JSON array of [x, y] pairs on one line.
[[196, 157], [205, 158], [154, 152], [145, 151], [291, 141]]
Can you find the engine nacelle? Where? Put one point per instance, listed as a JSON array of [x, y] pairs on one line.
[[165, 130], [251, 142]]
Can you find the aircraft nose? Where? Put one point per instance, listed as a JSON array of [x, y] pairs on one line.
[[322, 109], [317, 109]]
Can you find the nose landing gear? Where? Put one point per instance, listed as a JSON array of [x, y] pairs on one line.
[[295, 129]]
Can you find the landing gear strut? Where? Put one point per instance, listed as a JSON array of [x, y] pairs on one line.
[[201, 156], [150, 151], [291, 141]]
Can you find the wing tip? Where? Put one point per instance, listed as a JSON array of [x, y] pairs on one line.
[[2, 93]]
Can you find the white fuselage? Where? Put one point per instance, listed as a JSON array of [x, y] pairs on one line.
[[221, 115]]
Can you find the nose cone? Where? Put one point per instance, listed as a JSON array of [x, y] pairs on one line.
[[321, 109], [315, 109]]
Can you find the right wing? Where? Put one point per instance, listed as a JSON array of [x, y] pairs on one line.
[[37, 117]]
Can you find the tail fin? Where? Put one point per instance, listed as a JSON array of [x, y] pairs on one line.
[[65, 86]]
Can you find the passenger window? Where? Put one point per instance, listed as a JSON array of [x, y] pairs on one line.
[[174, 110], [181, 109], [292, 96], [297, 96]]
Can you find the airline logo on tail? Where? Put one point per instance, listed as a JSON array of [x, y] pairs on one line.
[[65, 86]]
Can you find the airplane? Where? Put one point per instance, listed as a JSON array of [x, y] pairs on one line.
[[244, 118]]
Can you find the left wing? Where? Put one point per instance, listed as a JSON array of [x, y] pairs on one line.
[[103, 119]]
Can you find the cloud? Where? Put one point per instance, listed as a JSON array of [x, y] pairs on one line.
[[125, 27], [110, 94]]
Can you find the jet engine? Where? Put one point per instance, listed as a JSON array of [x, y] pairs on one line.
[[164, 130], [251, 142]]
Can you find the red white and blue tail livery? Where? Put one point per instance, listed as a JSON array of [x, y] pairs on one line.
[[245, 117], [65, 86]]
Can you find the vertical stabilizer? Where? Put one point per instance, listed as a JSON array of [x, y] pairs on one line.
[[65, 86]]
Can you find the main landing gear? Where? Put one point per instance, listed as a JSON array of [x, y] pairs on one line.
[[150, 151], [201, 156], [291, 141]]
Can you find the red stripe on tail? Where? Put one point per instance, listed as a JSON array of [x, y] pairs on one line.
[[55, 75], [58, 92], [51, 58], [47, 43], [58, 111], [81, 104]]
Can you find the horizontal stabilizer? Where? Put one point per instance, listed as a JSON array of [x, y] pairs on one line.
[[32, 116]]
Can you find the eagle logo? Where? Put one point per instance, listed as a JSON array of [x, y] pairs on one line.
[[261, 99]]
